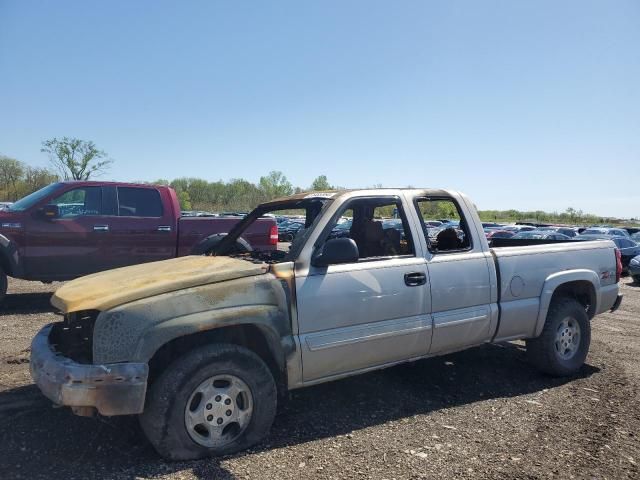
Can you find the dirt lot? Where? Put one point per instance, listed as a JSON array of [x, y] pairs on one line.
[[483, 413]]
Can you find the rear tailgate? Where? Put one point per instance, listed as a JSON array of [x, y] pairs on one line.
[[192, 230]]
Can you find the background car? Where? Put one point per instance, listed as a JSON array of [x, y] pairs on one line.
[[498, 234], [288, 230], [541, 235], [341, 230], [568, 231], [518, 228], [614, 232], [636, 237], [628, 248], [634, 268]]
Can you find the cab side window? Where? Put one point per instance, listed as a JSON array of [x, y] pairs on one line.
[[378, 226], [444, 226], [139, 202], [79, 202]]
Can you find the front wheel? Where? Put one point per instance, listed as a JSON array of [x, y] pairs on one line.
[[562, 347], [216, 400]]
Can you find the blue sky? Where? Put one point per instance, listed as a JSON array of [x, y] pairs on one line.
[[520, 104]]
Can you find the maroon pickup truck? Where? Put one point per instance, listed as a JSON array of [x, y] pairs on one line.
[[70, 229]]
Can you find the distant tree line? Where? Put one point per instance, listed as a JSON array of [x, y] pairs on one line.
[[75, 159], [242, 195], [237, 194], [18, 179]]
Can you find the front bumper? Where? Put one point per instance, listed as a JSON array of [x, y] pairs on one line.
[[112, 389]]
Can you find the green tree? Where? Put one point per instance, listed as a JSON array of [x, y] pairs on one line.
[[11, 173], [76, 159], [275, 185], [185, 201], [35, 178], [321, 184]]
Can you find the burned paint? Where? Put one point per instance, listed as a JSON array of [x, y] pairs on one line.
[[136, 330], [105, 290]]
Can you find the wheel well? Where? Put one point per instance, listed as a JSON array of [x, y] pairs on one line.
[[580, 290], [249, 336], [4, 264]]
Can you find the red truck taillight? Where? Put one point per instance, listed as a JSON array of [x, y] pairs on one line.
[[618, 265], [273, 235]]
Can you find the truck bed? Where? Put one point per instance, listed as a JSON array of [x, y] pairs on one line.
[[522, 271], [192, 230]]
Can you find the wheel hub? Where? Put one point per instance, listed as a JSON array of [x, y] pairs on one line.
[[567, 341], [218, 410]]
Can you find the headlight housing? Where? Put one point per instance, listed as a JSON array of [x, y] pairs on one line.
[[73, 337]]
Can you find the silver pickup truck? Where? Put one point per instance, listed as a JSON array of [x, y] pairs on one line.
[[203, 348]]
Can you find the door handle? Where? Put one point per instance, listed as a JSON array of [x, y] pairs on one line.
[[101, 228], [415, 279], [164, 228]]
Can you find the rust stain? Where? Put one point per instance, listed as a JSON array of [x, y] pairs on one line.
[[105, 290]]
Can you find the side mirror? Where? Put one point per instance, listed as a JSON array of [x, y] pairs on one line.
[[335, 251], [49, 211]]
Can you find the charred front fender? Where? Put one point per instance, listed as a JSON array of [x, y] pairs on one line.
[[135, 331]]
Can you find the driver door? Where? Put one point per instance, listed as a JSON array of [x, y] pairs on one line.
[[367, 313], [72, 244]]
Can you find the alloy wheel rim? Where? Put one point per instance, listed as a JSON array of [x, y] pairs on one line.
[[218, 411], [567, 341]]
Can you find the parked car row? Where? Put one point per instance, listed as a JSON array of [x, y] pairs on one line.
[[627, 243]]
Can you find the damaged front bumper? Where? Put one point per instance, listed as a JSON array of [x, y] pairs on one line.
[[111, 389]]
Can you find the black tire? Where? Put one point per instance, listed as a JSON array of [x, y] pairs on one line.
[[542, 351], [163, 420], [636, 279], [4, 283]]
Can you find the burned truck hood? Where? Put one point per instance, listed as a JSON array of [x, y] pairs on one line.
[[105, 290]]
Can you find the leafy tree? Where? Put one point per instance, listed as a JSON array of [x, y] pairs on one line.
[[321, 184], [275, 185], [185, 201], [35, 178], [11, 173], [76, 159]]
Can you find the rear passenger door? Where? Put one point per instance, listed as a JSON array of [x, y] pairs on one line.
[[460, 280], [140, 228]]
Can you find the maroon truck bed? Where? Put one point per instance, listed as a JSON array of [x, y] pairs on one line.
[[191, 231]]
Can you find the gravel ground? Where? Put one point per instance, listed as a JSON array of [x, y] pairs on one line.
[[483, 413]]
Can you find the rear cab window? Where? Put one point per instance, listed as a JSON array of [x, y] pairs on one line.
[[139, 202], [453, 234]]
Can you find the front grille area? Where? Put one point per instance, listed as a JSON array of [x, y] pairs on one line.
[[73, 337]]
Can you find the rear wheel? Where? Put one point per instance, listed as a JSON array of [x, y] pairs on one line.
[[562, 347], [216, 400]]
